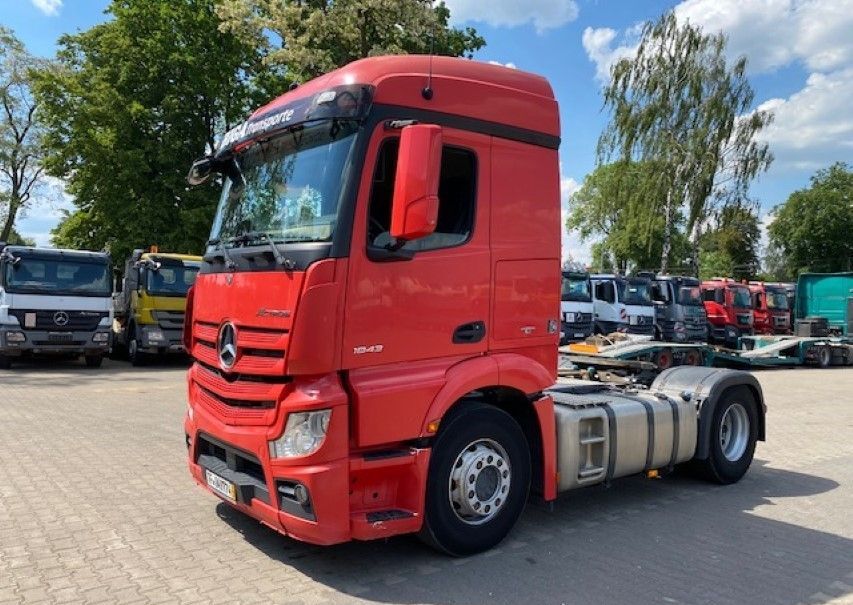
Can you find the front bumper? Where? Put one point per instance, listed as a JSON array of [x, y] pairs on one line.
[[344, 489], [54, 342], [155, 339], [575, 331]]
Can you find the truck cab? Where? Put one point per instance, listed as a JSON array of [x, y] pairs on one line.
[[54, 302], [576, 312], [679, 312], [771, 314], [622, 304], [728, 304], [375, 324], [149, 306]]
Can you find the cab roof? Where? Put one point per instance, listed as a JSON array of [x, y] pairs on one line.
[[58, 253], [461, 87], [170, 256]]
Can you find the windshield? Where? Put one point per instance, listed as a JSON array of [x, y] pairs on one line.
[[634, 293], [171, 280], [741, 298], [58, 276], [777, 299], [575, 288], [288, 187], [690, 295]]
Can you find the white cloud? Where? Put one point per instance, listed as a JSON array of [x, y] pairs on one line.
[[48, 7], [572, 246], [543, 14], [511, 65]]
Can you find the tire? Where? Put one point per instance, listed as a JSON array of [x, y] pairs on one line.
[[824, 357], [487, 444], [731, 450], [94, 361], [691, 357], [136, 357], [5, 362]]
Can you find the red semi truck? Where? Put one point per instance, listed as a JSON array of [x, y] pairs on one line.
[[770, 311], [375, 324], [728, 305]]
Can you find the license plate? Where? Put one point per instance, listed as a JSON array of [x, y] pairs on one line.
[[221, 486], [579, 335], [59, 336]]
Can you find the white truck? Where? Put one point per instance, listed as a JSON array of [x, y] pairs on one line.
[[576, 312], [54, 302], [622, 304]]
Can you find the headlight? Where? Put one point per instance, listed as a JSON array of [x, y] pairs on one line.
[[15, 337], [155, 334], [101, 337], [303, 435]]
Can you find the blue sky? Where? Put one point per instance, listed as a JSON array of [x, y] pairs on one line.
[[800, 55]]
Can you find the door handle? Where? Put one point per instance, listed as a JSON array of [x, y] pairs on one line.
[[469, 333]]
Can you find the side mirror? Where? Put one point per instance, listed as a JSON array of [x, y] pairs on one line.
[[414, 210], [200, 171]]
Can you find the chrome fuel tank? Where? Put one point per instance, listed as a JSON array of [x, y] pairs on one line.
[[604, 433]]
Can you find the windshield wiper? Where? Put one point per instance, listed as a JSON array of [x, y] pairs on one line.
[[252, 236], [219, 244]]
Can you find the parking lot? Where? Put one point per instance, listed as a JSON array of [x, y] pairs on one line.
[[96, 506]]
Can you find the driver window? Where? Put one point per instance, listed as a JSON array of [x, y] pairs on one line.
[[456, 199], [660, 292]]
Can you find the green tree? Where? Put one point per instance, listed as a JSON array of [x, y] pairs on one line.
[[678, 103], [21, 171], [730, 247], [130, 103], [813, 227], [301, 39], [615, 203]]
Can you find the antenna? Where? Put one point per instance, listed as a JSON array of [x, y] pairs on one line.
[[426, 93]]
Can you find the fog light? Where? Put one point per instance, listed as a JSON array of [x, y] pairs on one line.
[[300, 492], [156, 335], [101, 337], [303, 435], [15, 337]]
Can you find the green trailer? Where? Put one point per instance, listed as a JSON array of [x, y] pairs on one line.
[[829, 296]]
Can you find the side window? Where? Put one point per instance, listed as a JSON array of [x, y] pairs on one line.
[[660, 292], [604, 291], [457, 195], [709, 295]]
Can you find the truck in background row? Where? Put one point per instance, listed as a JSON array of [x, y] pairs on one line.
[[622, 304], [576, 312], [827, 297], [728, 305], [149, 307], [770, 311], [679, 312], [375, 344], [54, 302]]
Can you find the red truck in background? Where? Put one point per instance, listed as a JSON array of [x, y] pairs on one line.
[[375, 324], [770, 311], [728, 304]]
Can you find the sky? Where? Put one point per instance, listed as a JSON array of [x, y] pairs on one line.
[[800, 57]]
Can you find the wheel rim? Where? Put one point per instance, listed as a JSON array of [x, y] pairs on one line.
[[480, 482], [734, 432], [132, 348]]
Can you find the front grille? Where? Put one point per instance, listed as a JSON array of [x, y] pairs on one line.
[[237, 401], [169, 320], [260, 351], [81, 321], [580, 319]]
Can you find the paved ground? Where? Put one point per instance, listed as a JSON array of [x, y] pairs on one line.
[[96, 506]]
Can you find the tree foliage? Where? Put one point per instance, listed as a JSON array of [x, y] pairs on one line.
[[129, 105], [21, 171], [301, 39], [679, 104], [813, 229], [731, 246]]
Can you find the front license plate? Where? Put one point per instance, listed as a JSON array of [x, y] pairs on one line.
[[221, 486], [579, 334]]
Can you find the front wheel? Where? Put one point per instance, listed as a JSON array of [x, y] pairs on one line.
[[5, 362], [135, 356], [94, 361], [479, 479], [734, 432]]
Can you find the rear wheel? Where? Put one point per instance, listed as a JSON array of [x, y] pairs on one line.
[[5, 362], [478, 481], [663, 359], [691, 357], [734, 431], [824, 356]]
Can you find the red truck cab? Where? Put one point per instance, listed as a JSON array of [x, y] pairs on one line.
[[728, 305], [770, 310]]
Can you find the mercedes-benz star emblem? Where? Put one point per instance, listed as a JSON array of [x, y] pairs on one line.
[[227, 345], [60, 318]]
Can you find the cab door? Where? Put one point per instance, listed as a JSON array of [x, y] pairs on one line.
[[435, 304]]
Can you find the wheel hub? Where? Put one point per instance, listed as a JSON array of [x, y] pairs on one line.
[[480, 481], [734, 432]]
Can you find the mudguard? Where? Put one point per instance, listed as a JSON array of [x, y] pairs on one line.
[[704, 387]]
